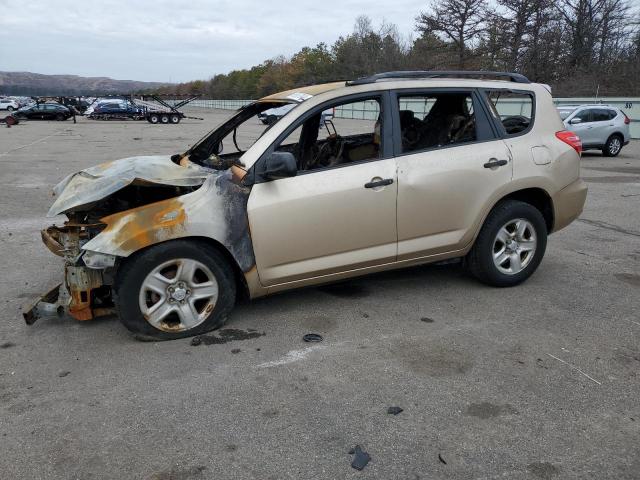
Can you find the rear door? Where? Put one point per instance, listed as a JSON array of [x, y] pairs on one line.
[[602, 119], [450, 163]]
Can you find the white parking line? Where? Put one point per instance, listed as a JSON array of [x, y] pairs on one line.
[[292, 356], [575, 368], [29, 144]]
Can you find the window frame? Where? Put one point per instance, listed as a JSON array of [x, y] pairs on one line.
[[605, 110], [580, 110], [386, 133], [482, 134], [484, 92]]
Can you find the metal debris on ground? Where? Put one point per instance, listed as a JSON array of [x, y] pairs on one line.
[[394, 410], [312, 338], [441, 459], [361, 457]]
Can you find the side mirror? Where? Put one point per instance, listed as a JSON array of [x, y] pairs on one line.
[[575, 121], [280, 165], [272, 167]]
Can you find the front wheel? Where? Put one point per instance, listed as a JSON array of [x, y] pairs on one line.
[[613, 146], [510, 245], [174, 290], [9, 108]]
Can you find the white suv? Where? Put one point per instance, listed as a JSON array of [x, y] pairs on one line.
[[8, 104], [600, 127]]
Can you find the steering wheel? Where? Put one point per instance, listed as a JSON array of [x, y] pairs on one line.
[[329, 153]]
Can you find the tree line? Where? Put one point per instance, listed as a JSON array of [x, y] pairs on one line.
[[579, 47]]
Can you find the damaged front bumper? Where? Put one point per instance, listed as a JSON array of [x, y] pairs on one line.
[[86, 290]]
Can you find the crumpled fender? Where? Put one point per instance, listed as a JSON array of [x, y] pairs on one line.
[[217, 210]]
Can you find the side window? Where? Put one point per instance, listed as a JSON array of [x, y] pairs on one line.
[[435, 120], [513, 109], [584, 115], [338, 134], [600, 115], [612, 114]]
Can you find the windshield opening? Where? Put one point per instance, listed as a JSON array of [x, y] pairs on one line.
[[235, 136]]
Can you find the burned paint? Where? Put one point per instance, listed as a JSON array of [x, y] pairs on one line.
[[141, 227], [217, 210]]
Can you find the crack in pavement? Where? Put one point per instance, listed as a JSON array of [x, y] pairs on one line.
[[609, 226]]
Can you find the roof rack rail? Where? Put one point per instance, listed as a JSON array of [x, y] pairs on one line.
[[412, 74]]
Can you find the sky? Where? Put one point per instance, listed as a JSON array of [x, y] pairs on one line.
[[173, 40]]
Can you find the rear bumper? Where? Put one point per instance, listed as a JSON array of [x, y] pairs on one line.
[[568, 204]]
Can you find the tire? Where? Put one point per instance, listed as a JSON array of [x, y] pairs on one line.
[[175, 119], [501, 224], [154, 119], [164, 119], [613, 146], [132, 292], [9, 108], [60, 117]]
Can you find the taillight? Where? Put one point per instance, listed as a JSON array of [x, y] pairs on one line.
[[627, 120], [570, 139]]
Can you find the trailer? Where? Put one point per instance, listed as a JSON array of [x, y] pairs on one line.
[[164, 112], [152, 108]]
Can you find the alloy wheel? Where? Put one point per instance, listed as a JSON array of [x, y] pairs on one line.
[[514, 246], [178, 295]]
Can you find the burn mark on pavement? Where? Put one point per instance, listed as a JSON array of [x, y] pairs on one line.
[[630, 278], [319, 323], [486, 410], [432, 360], [180, 473], [225, 336], [7, 345], [544, 470]]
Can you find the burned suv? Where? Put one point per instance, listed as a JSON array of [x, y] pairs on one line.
[[414, 167]]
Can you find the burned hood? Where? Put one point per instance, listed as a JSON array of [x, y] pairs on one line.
[[96, 183]]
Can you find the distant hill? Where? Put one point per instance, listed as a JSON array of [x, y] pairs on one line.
[[27, 83]]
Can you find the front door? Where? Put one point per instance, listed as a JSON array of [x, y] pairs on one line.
[[339, 212], [449, 166]]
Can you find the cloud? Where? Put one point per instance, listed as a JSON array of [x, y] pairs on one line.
[[164, 40]]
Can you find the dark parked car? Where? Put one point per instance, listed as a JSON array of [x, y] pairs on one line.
[[45, 111], [117, 110]]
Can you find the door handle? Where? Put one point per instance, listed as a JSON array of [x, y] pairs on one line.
[[494, 162], [379, 183]]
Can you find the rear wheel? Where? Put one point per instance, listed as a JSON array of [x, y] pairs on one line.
[[613, 146], [510, 245], [60, 117], [164, 119], [175, 289], [153, 118], [175, 119], [9, 108]]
